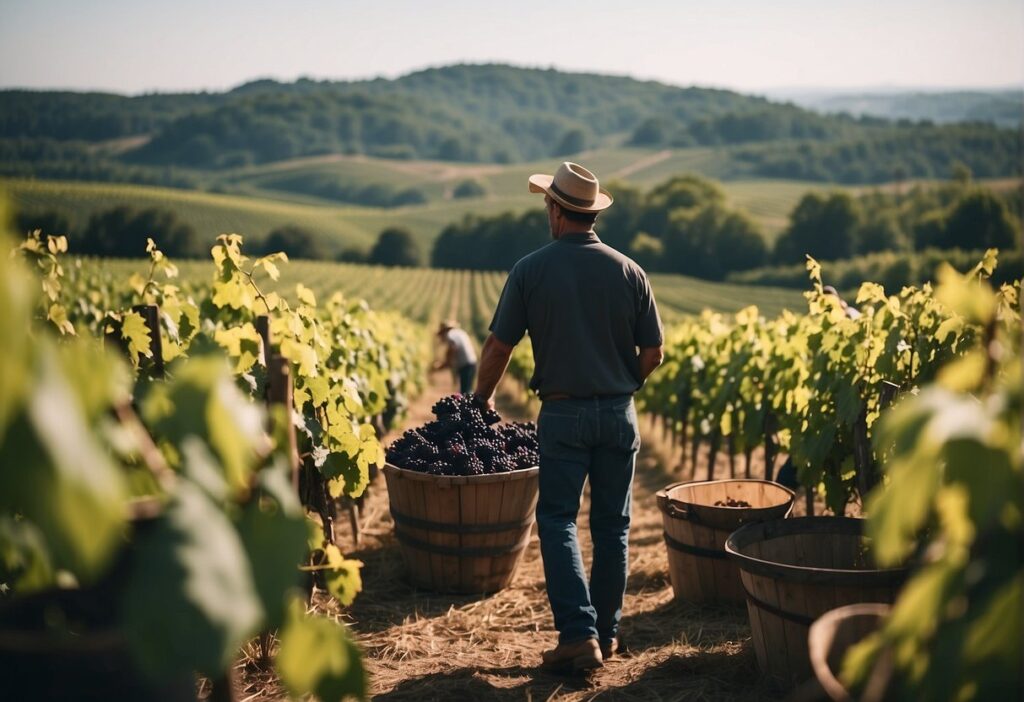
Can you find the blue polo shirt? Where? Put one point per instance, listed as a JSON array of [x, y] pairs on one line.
[[587, 309]]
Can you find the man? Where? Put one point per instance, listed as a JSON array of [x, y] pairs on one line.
[[596, 336], [460, 356], [849, 310]]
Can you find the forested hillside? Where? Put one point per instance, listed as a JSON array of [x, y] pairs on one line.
[[470, 113]]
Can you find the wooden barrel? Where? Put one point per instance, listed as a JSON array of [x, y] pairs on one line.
[[68, 645], [40, 664], [832, 635], [696, 529], [795, 570], [462, 534]]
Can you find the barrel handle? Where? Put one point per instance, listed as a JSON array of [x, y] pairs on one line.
[[673, 508]]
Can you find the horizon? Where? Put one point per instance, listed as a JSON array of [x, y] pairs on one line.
[[120, 47], [775, 92]]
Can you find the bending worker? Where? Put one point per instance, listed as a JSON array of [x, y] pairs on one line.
[[460, 356]]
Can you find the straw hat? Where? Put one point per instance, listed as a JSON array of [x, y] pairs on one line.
[[573, 187], [446, 325]]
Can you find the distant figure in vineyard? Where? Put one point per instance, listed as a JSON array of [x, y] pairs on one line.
[[460, 356], [596, 336], [849, 310]]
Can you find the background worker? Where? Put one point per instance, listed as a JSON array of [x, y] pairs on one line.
[[459, 354], [596, 336]]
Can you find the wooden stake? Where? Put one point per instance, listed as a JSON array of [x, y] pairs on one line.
[[713, 447], [731, 447], [279, 392], [862, 457], [694, 449], [263, 329], [770, 448]]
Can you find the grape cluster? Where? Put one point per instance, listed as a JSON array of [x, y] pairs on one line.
[[466, 438]]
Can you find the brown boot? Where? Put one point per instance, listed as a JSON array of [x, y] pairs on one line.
[[609, 649], [577, 657]]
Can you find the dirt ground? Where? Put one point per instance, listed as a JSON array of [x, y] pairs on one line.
[[424, 646]]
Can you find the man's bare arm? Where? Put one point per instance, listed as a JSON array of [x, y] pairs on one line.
[[493, 361], [449, 358], [650, 358]]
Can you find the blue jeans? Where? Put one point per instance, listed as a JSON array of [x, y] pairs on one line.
[[466, 375], [599, 439]]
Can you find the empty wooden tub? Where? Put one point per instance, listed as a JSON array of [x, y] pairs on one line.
[[696, 529], [832, 635], [795, 570], [462, 534]]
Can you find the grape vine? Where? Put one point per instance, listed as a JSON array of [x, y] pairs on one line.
[[166, 438], [815, 383]]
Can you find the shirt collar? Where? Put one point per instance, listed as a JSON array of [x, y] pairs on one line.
[[579, 237]]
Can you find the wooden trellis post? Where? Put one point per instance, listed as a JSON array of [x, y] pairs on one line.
[[263, 329], [770, 449], [867, 469], [713, 447], [279, 394]]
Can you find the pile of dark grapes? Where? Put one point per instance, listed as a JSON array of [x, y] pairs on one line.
[[467, 438], [730, 502]]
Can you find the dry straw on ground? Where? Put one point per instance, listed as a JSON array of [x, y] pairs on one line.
[[425, 646]]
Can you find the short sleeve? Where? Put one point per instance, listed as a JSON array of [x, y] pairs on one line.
[[648, 331], [509, 323]]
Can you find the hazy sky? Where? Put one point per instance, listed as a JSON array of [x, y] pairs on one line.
[[142, 45]]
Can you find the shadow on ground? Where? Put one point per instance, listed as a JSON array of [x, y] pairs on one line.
[[674, 676]]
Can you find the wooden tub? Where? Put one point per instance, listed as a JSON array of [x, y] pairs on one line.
[[462, 534], [795, 570], [696, 530]]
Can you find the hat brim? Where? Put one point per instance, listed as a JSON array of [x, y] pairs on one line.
[[541, 183]]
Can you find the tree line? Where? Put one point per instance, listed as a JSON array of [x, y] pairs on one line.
[[959, 215], [889, 153], [687, 225], [684, 225], [121, 232]]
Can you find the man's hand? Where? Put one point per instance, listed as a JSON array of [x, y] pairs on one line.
[[483, 402]]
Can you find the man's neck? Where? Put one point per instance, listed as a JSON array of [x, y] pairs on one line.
[[582, 232]]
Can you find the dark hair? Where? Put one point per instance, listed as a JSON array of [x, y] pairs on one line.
[[580, 217]]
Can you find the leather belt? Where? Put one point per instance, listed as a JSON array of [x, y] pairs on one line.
[[564, 396]]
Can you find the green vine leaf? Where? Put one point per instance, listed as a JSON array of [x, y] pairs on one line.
[[317, 656], [136, 335]]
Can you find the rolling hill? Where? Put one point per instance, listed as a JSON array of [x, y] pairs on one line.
[[478, 114]]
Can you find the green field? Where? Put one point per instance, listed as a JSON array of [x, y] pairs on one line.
[[769, 201], [250, 202], [427, 294], [252, 206]]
